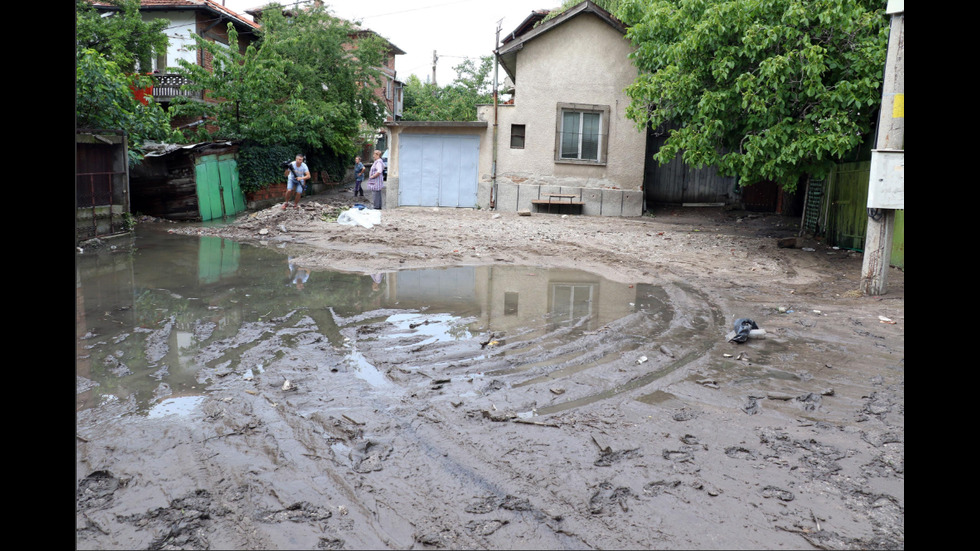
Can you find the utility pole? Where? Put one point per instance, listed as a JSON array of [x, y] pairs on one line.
[[435, 58], [496, 86], [890, 142]]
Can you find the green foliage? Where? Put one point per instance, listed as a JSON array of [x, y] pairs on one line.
[[108, 49], [455, 102], [119, 34], [299, 84], [760, 89], [609, 5], [261, 165], [104, 100]]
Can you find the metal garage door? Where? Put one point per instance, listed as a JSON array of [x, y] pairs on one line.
[[437, 171]]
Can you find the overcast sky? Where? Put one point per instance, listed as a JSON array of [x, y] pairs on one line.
[[453, 28]]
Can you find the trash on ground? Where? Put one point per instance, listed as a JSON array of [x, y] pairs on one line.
[[641, 359], [367, 218], [883, 319], [710, 383], [742, 328]]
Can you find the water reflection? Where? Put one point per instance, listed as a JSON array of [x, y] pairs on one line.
[[161, 319]]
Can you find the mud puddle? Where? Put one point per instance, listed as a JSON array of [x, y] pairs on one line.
[[472, 407], [170, 316]]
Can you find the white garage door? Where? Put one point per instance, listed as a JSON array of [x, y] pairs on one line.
[[438, 171]]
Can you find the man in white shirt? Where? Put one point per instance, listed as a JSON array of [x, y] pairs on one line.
[[298, 174]]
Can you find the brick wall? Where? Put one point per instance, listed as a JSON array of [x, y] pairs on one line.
[[273, 191]]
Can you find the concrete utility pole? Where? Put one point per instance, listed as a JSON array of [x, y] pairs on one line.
[[435, 58], [891, 137], [496, 86]]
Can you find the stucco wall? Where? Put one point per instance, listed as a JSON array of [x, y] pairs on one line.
[[583, 61], [180, 32]]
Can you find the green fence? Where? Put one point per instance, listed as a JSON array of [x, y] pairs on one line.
[[847, 211], [218, 192]]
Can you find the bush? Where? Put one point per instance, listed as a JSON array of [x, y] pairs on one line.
[[261, 165]]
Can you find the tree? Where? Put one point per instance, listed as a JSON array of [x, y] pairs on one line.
[[760, 89], [107, 50], [104, 99], [454, 102], [119, 34], [306, 81]]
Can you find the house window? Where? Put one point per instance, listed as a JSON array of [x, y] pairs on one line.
[[517, 136], [161, 62], [582, 133]]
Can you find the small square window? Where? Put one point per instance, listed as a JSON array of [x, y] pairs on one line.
[[517, 136]]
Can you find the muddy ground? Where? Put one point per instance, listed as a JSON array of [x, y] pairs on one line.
[[650, 431]]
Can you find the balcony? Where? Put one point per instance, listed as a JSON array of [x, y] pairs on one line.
[[167, 86]]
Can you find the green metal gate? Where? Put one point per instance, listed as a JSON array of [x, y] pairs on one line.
[[218, 192], [847, 213]]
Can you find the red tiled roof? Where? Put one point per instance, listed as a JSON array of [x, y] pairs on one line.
[[210, 5]]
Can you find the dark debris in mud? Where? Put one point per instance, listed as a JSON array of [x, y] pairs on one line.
[[183, 524], [330, 543], [658, 487], [297, 512], [778, 493], [609, 499], [489, 504], [96, 490], [608, 457]]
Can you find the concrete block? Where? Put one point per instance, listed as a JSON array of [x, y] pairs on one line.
[[592, 198], [390, 199], [506, 196], [632, 203], [612, 202], [526, 193]]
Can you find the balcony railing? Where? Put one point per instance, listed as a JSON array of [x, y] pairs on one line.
[[167, 86]]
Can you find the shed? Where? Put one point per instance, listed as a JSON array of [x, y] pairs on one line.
[[434, 163], [101, 183], [193, 182]]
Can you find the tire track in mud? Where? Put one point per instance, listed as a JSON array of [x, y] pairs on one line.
[[495, 484]]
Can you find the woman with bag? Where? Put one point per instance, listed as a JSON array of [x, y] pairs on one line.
[[375, 182]]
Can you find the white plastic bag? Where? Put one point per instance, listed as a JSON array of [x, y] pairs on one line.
[[358, 217]]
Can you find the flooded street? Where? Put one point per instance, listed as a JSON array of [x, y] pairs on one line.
[[238, 395], [170, 315]]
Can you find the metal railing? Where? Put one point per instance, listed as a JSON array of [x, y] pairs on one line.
[[168, 86]]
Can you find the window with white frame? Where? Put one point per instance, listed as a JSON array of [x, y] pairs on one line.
[[582, 132]]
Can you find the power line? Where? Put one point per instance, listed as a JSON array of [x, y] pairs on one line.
[[374, 16]]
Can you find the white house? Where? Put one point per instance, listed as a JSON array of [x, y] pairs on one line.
[[564, 138]]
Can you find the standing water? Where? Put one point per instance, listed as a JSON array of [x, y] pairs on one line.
[[162, 317]]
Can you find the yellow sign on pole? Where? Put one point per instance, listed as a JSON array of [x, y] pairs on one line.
[[898, 106]]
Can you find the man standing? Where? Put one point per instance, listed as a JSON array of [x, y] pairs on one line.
[[358, 177], [298, 174]]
